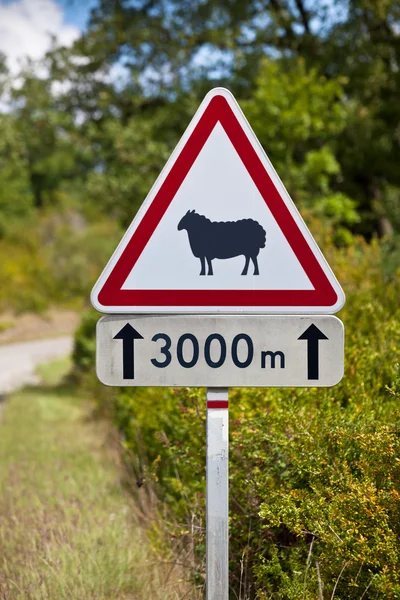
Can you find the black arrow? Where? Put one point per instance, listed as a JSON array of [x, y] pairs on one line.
[[128, 335], [312, 334]]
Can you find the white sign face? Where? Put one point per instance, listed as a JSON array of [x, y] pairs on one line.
[[219, 189], [220, 351], [218, 233]]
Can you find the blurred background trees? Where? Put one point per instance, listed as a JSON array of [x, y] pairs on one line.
[[84, 133], [86, 130]]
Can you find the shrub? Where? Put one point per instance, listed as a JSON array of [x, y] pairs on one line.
[[84, 352], [314, 473], [54, 261]]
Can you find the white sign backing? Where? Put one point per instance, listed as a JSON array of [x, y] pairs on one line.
[[220, 351]]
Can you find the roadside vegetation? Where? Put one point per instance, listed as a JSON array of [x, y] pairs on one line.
[[68, 527], [81, 147], [314, 473]]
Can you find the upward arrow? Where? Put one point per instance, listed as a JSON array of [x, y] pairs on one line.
[[312, 334], [128, 335]]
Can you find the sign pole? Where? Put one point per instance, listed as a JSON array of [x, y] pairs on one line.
[[217, 584]]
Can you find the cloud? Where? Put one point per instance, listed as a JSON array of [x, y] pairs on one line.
[[26, 28]]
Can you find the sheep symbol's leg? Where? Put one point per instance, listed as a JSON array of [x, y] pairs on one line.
[[255, 262], [246, 265], [210, 269], [203, 265]]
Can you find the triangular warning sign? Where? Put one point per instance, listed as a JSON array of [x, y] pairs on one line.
[[218, 232]]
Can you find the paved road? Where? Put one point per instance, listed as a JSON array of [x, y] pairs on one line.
[[19, 361]]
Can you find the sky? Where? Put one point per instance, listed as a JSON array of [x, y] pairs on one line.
[[26, 26]]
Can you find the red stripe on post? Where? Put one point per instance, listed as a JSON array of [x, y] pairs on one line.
[[217, 404]]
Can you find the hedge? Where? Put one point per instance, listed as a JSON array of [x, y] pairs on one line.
[[314, 473]]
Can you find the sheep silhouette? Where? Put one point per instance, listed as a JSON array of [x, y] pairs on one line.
[[214, 239]]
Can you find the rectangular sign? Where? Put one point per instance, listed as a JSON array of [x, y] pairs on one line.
[[220, 351]]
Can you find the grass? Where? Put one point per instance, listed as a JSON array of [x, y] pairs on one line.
[[6, 324], [68, 529], [53, 373]]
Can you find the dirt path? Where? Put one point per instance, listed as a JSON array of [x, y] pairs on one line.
[[27, 327], [19, 361]]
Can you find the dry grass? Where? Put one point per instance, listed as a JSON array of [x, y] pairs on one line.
[[68, 529]]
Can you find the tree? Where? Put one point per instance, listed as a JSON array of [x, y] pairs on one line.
[[298, 116], [166, 49], [16, 198], [365, 48]]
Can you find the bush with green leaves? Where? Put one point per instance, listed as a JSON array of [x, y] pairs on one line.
[[16, 197], [298, 115], [314, 473], [53, 261]]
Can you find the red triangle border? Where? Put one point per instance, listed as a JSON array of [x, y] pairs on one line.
[[323, 294]]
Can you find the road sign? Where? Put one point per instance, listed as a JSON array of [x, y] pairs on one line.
[[253, 351], [218, 233]]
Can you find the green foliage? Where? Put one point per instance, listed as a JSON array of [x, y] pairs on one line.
[[297, 117], [391, 204], [16, 198], [84, 352], [137, 157], [165, 52], [50, 142], [364, 47], [131, 151], [53, 260], [319, 83], [314, 473]]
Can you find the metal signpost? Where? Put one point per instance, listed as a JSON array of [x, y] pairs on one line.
[[217, 504], [218, 283]]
